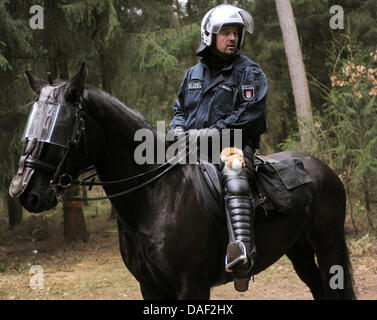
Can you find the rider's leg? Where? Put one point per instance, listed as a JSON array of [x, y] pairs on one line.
[[241, 251]]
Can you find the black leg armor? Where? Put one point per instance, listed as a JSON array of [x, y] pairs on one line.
[[239, 205]]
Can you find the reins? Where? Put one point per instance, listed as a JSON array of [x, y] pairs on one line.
[[169, 166], [122, 193]]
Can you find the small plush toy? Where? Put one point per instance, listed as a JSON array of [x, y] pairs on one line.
[[233, 158]]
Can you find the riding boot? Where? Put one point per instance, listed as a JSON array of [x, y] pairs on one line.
[[241, 253]]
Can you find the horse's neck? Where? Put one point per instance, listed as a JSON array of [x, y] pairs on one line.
[[119, 125], [116, 162]]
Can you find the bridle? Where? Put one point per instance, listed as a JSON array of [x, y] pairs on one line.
[[60, 181]]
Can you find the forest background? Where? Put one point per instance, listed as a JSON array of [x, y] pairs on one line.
[[139, 50]]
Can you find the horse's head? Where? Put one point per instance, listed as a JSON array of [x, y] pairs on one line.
[[60, 140]]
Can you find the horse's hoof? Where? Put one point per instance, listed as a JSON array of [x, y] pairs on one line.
[[241, 285]]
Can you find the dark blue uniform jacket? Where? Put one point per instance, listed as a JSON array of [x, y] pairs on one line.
[[235, 98]]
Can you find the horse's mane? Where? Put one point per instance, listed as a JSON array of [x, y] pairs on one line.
[[99, 97]]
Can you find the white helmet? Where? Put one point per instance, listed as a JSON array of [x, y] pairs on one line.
[[222, 15]]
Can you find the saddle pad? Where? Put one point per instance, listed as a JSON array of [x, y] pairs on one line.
[[210, 185]]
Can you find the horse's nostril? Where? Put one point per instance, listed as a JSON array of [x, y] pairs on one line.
[[38, 201]]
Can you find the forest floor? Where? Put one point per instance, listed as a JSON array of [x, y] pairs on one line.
[[95, 270]]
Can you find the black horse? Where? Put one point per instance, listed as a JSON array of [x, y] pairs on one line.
[[168, 240]]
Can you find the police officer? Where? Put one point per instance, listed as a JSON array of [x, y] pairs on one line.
[[225, 90]]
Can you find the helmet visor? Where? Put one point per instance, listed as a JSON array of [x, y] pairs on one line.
[[50, 122]]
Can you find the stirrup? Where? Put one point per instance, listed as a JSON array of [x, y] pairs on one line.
[[235, 253]]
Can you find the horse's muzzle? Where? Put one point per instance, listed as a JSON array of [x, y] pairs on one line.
[[37, 202]]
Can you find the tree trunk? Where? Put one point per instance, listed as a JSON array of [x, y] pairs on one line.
[[348, 193], [365, 186], [296, 71], [14, 212], [52, 62], [62, 65], [113, 214], [85, 196], [106, 71], [74, 221], [4, 201], [13, 205]]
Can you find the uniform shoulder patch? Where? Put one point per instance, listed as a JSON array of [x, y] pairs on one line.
[[195, 84], [248, 92]]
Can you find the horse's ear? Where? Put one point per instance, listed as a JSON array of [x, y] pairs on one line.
[[77, 84], [35, 83]]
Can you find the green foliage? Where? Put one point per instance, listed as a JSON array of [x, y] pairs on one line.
[[113, 23], [346, 127], [351, 108], [154, 55], [4, 64], [153, 65], [77, 14]]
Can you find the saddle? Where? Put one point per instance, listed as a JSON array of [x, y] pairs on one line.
[[277, 187]]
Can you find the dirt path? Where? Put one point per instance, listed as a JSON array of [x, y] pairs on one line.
[[280, 282], [95, 271]]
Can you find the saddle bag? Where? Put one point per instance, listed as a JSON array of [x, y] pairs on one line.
[[285, 183]]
